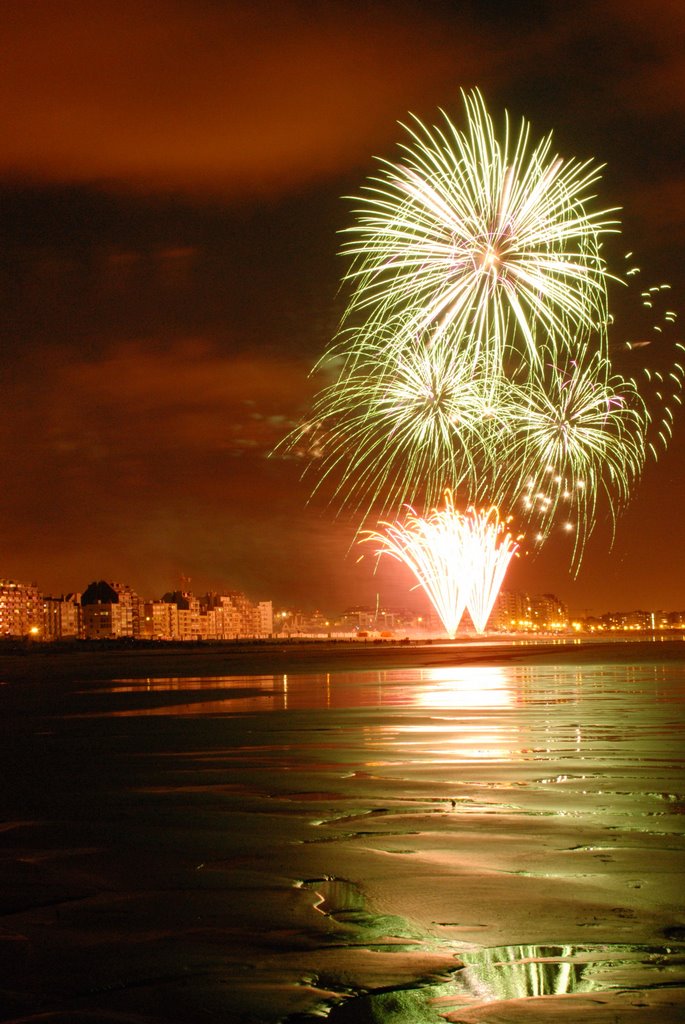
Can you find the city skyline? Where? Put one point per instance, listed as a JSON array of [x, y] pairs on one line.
[[510, 605], [170, 270]]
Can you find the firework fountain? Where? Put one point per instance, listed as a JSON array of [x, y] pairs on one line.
[[459, 559], [474, 359]]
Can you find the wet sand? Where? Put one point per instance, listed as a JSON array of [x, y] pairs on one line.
[[381, 832]]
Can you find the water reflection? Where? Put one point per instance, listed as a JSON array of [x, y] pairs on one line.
[[521, 972], [464, 721], [452, 688], [529, 971], [466, 689], [194, 695], [464, 686]]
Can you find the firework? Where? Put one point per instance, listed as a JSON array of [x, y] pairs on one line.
[[654, 354], [490, 548], [475, 354], [474, 350], [492, 241], [395, 426], [397, 423], [574, 434], [459, 559], [431, 548]]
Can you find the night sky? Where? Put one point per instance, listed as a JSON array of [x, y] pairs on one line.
[[171, 178]]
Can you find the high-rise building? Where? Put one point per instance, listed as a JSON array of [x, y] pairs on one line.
[[511, 612], [231, 616], [158, 621], [61, 617], [187, 614], [265, 612], [549, 612], [221, 617], [21, 609], [110, 611], [248, 615], [515, 611]]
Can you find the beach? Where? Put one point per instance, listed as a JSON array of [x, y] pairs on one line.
[[488, 831]]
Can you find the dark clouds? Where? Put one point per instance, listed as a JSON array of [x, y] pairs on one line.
[[233, 98], [170, 180]]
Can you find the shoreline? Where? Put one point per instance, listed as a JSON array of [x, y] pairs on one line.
[[111, 659]]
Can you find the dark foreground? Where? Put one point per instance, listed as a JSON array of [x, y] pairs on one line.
[[398, 834]]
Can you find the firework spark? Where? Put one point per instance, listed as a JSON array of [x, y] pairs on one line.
[[490, 240], [475, 354], [458, 558], [397, 423], [654, 352], [574, 435], [474, 351]]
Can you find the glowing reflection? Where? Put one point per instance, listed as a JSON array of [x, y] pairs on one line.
[[465, 726], [521, 972], [452, 688], [196, 695], [513, 975], [464, 686]]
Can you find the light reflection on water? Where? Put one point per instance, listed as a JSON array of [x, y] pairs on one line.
[[523, 972], [444, 714], [479, 692], [458, 687]]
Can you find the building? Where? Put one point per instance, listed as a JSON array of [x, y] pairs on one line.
[[636, 620], [187, 614], [515, 611], [107, 610], [265, 618], [61, 617], [110, 611], [222, 619], [158, 621], [21, 609], [548, 612], [252, 619], [214, 616], [512, 612]]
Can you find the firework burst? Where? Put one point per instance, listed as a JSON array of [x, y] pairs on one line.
[[475, 354], [398, 422], [492, 241], [574, 435], [476, 275], [459, 559]]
